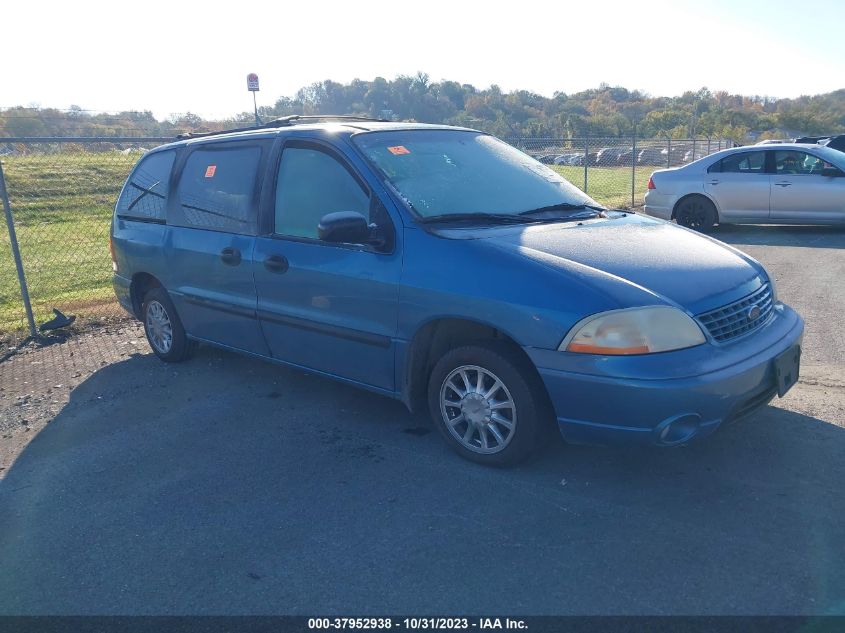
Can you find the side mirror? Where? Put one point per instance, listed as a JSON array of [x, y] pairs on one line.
[[346, 227], [832, 172]]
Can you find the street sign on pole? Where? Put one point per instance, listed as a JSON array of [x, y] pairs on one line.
[[252, 86]]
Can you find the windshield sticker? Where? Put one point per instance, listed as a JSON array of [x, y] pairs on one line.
[[398, 150], [209, 171]]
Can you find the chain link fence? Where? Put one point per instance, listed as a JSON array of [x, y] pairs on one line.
[[62, 192]]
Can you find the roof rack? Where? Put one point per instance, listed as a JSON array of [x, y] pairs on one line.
[[285, 121], [295, 118]]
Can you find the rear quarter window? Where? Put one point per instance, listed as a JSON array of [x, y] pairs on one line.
[[144, 196]]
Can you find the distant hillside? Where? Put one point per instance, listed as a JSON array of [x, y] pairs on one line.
[[604, 111]]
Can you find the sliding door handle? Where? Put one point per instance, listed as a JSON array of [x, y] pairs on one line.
[[276, 264], [230, 256]]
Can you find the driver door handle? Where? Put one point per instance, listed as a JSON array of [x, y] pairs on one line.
[[783, 184]]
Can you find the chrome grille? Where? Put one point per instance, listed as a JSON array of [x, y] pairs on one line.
[[732, 320]]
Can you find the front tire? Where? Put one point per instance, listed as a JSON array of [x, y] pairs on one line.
[[697, 213], [163, 328], [486, 403]]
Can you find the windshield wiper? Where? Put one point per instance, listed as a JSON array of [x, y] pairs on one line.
[[591, 211], [586, 211], [484, 218]]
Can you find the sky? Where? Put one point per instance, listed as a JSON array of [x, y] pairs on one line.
[[180, 56]]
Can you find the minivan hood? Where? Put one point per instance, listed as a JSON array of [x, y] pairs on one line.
[[693, 271]]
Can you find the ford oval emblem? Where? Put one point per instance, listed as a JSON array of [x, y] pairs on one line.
[[753, 313]]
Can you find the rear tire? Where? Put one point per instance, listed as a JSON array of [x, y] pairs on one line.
[[485, 401], [163, 327], [696, 213]]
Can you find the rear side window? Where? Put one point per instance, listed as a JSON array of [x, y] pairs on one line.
[[217, 189], [744, 163], [144, 197]]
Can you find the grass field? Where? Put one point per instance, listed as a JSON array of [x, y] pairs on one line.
[[62, 205], [610, 186]]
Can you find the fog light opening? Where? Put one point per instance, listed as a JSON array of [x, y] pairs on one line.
[[680, 429]]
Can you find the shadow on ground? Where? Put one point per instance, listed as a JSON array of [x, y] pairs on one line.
[[781, 235], [229, 486]]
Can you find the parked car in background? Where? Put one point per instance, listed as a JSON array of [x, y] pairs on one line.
[[565, 159], [694, 154], [654, 156], [625, 157], [674, 155], [379, 254], [780, 183], [608, 156]]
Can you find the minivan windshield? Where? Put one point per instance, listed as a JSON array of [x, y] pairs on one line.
[[443, 173], [832, 156]]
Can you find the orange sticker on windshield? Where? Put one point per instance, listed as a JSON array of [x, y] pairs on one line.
[[398, 150], [209, 171]]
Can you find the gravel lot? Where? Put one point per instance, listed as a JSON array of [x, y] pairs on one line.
[[229, 486]]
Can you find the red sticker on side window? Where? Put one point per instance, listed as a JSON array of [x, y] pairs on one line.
[[209, 171], [398, 150]]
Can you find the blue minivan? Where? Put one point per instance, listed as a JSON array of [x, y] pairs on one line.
[[443, 267]]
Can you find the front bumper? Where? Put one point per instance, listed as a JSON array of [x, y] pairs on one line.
[[665, 399]]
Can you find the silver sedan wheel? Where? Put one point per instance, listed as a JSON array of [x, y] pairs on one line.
[[159, 328], [478, 409]]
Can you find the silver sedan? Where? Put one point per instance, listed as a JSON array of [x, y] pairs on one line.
[[787, 183]]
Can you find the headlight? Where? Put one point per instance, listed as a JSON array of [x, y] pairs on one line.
[[633, 331]]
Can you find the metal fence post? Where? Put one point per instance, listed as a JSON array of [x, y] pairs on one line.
[[13, 241], [586, 159], [668, 151], [693, 149], [633, 164], [708, 146]]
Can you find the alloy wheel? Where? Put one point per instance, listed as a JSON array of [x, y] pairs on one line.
[[159, 328], [478, 409]]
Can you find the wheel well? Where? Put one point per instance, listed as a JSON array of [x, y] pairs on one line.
[[432, 341], [694, 195], [141, 284]]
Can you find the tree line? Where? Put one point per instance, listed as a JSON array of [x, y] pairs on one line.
[[606, 111]]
